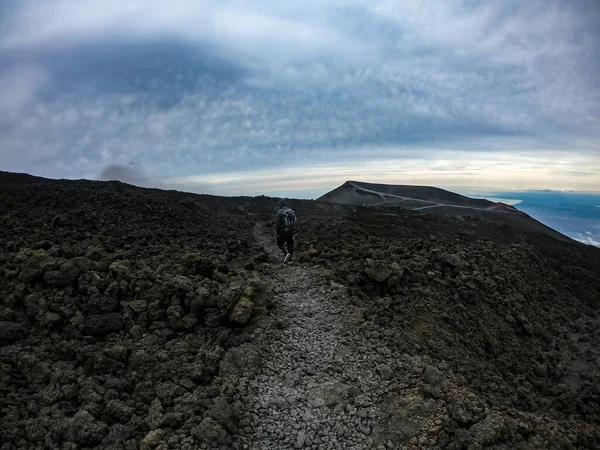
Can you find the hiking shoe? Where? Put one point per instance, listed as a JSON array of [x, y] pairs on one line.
[[287, 258]]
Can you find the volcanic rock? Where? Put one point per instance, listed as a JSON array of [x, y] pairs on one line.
[[137, 318]]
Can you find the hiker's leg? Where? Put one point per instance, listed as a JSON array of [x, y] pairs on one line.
[[281, 242], [290, 244]]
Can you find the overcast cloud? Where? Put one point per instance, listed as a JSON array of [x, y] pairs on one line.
[[230, 95]]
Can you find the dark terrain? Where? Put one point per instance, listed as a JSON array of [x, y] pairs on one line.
[[139, 318]]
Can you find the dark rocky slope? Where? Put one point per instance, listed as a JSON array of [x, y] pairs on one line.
[[133, 318], [118, 307], [512, 315]]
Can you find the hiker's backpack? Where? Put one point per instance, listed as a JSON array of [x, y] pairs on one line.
[[288, 220]]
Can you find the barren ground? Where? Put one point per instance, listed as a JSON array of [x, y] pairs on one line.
[[134, 318]]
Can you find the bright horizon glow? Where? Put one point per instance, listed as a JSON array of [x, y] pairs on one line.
[[502, 171]]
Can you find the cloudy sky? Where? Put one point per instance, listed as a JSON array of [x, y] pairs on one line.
[[244, 96]]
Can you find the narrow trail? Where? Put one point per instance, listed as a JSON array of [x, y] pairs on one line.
[[320, 386]]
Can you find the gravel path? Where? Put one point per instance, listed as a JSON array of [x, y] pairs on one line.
[[321, 386]]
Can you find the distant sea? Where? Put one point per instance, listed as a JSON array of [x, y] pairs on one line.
[[575, 214]]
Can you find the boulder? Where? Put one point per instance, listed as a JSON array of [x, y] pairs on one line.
[[222, 412], [377, 270], [120, 269], [139, 305], [452, 260], [244, 305], [487, 432], [84, 429], [118, 411], [152, 439]]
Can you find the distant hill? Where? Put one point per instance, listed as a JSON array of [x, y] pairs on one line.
[[434, 200]]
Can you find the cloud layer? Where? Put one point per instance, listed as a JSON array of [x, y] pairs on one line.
[[589, 240], [189, 89]]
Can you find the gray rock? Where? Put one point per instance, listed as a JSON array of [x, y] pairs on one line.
[[292, 378], [188, 322], [362, 401], [210, 432], [486, 432], [180, 283], [91, 392], [120, 269], [365, 429], [433, 376], [139, 305], [452, 260], [34, 431], [300, 439], [458, 413], [49, 395], [144, 392], [222, 412], [378, 271], [35, 370], [200, 301], [167, 391], [174, 315], [119, 411], [242, 360], [84, 429], [153, 439], [330, 394], [155, 418], [117, 352]]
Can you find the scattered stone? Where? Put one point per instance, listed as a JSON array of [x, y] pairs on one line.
[[210, 432], [452, 260], [119, 411], [152, 439], [300, 439], [84, 429], [377, 271]]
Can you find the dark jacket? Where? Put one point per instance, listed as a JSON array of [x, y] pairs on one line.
[[283, 206]]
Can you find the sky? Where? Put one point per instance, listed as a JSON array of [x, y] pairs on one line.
[[247, 97]]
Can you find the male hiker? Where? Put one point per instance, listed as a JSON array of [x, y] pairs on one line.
[[285, 228]]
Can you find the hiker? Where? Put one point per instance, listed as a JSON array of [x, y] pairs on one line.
[[285, 228]]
